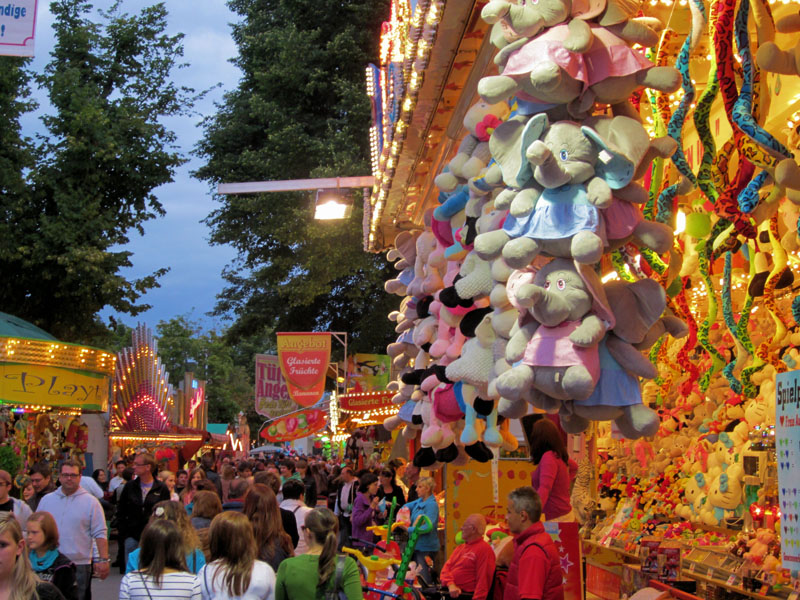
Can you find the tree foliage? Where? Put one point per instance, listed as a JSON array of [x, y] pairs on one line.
[[299, 111], [70, 198], [229, 369]]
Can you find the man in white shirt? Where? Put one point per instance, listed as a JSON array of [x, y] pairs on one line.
[[91, 486], [293, 491], [81, 523], [117, 480]]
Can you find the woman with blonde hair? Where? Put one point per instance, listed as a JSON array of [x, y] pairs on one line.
[[17, 579], [234, 572], [428, 543], [47, 562], [312, 574], [162, 571], [174, 511], [168, 479], [273, 543]]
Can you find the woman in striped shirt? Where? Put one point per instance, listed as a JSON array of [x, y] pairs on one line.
[[162, 570]]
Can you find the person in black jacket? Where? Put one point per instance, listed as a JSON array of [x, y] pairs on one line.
[[42, 480], [47, 562], [137, 500]]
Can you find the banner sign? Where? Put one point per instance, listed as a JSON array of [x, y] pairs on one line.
[[368, 372], [17, 27], [272, 393], [53, 386], [304, 359], [295, 426], [365, 402], [787, 446]]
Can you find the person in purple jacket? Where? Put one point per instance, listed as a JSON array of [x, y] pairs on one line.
[[365, 508], [555, 471]]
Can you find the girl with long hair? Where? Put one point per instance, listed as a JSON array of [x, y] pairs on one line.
[[162, 566], [195, 475], [17, 579], [176, 513], [168, 479], [555, 470], [311, 574], [273, 543], [234, 570], [47, 562]]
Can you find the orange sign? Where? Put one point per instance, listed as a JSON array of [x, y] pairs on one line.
[[295, 426], [304, 359]]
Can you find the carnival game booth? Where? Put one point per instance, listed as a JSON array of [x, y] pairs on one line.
[[147, 413], [46, 385], [593, 211]]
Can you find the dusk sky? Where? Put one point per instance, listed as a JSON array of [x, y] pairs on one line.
[[179, 240]]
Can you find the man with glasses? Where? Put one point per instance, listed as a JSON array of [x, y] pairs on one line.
[[7, 504], [81, 524], [469, 571], [137, 500], [42, 480]]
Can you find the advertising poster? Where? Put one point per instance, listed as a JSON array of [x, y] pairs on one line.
[[54, 386], [17, 27], [304, 359], [787, 447], [369, 372], [466, 494], [271, 394], [295, 426]]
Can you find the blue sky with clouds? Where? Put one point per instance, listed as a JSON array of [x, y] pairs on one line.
[[179, 240]]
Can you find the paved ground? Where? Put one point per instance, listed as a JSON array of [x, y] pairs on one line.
[[109, 588]]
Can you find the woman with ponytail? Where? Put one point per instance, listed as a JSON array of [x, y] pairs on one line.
[[17, 579], [310, 575]]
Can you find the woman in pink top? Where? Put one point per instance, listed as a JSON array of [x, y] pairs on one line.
[[555, 470]]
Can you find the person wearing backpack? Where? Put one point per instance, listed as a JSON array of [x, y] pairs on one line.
[[319, 574]]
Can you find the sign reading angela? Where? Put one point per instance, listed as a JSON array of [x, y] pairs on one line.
[[17, 26], [272, 393], [787, 442]]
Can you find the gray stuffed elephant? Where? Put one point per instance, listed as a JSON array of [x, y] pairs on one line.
[[567, 173], [568, 317], [639, 309]]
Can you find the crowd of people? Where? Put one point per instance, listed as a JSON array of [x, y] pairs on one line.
[[260, 529]]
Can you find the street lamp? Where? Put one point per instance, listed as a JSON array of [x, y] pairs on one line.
[[332, 204]]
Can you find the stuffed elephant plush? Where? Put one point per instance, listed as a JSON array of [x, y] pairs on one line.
[[552, 68], [569, 318], [567, 175], [639, 310], [522, 21]]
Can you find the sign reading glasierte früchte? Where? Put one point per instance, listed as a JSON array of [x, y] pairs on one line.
[[356, 403], [304, 359]]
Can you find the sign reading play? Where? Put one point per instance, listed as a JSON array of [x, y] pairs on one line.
[[17, 26], [304, 359]]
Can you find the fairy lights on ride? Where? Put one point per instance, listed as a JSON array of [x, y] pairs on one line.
[[56, 354], [141, 390], [413, 51]]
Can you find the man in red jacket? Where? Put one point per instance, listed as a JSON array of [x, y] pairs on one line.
[[469, 571], [535, 571]]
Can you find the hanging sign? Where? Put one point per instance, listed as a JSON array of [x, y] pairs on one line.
[[787, 446], [17, 27], [295, 426], [366, 402], [368, 372], [272, 393], [304, 359]]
